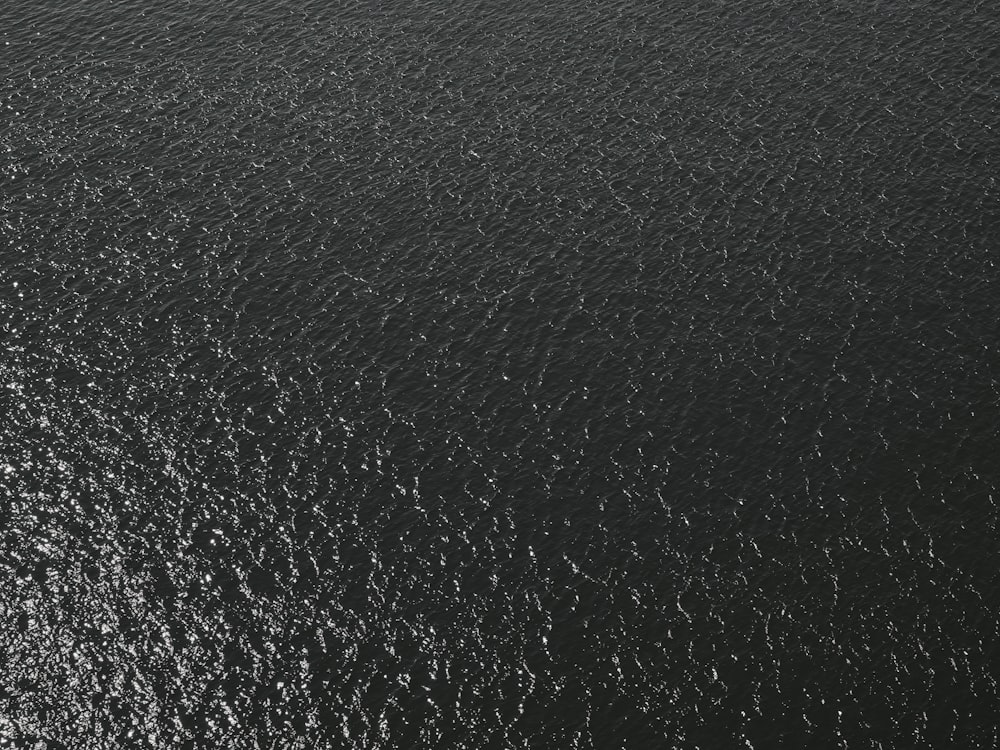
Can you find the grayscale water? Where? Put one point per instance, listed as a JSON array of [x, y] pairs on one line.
[[499, 375]]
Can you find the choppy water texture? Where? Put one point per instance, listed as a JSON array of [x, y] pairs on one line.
[[441, 375]]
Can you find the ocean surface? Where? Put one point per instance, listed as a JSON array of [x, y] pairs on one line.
[[559, 374]]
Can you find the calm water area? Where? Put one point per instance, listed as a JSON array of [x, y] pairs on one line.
[[558, 374]]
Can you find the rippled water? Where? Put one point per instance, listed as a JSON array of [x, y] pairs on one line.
[[570, 375]]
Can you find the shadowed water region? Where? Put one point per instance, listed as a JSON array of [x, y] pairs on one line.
[[557, 375]]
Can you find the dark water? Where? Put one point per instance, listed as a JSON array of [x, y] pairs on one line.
[[443, 375]]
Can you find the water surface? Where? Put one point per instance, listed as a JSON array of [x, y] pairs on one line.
[[440, 375]]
